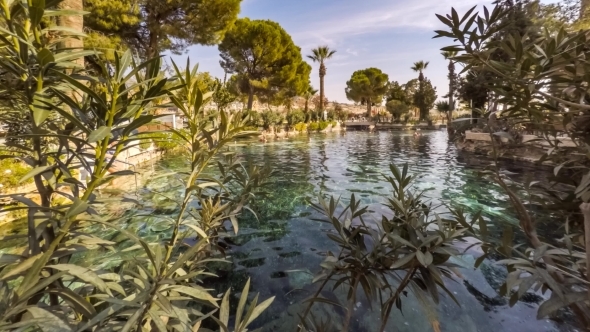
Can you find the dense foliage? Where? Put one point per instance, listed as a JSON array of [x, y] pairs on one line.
[[45, 284], [150, 27], [294, 117], [544, 83], [397, 109], [367, 87], [265, 59], [409, 252]]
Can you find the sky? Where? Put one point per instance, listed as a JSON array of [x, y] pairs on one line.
[[387, 34]]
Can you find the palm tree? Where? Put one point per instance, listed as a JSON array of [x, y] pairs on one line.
[[419, 67], [321, 54], [449, 55]]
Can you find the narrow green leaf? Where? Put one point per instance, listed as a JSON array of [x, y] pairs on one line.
[[403, 261], [36, 11], [242, 304], [72, 55], [259, 310], [101, 316], [82, 273], [51, 322], [421, 258], [196, 292], [78, 206], [35, 171], [99, 134], [157, 320], [83, 88], [555, 303], [65, 12], [6, 259], [132, 321], [68, 31], [45, 57], [76, 301], [224, 309], [41, 285], [39, 114], [124, 64]]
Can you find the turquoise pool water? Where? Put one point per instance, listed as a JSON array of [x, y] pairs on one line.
[[282, 250]]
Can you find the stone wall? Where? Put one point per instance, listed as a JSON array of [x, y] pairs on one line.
[[530, 149]]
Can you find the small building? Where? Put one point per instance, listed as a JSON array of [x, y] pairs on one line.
[[171, 117]]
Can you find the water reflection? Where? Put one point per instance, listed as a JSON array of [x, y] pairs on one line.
[[339, 165], [282, 249]]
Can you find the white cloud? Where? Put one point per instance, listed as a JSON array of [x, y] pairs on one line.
[[352, 52], [354, 21]]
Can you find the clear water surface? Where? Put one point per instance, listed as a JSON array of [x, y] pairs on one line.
[[282, 251]]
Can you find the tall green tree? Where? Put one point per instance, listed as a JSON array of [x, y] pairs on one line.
[[397, 92], [419, 67], [320, 55], [153, 26], [367, 86], [410, 89], [474, 87], [449, 55], [397, 108], [222, 94], [263, 54], [424, 98]]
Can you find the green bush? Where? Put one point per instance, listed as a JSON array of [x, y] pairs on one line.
[[331, 115], [314, 115], [165, 140], [294, 117], [300, 127], [323, 125], [254, 119], [271, 119], [333, 123], [251, 128], [397, 109], [145, 144], [314, 126], [11, 171]]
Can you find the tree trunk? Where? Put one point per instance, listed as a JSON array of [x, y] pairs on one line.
[[369, 109], [450, 130], [322, 74], [421, 89], [321, 93], [250, 98], [75, 22], [153, 50]]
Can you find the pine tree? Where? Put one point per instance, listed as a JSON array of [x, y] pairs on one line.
[[264, 57], [153, 26]]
